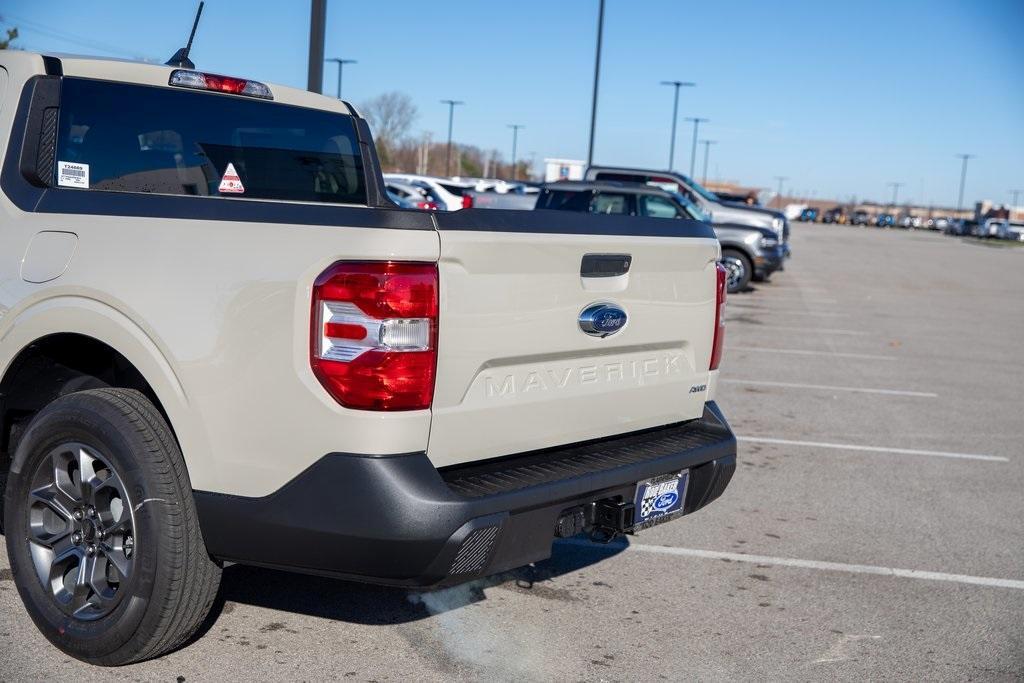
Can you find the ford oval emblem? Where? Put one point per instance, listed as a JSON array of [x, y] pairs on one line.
[[665, 501], [602, 320]]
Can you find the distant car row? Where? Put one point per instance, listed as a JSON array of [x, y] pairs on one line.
[[841, 216], [996, 228]]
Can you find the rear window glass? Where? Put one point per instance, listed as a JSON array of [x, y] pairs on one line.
[[563, 200], [134, 138], [456, 190], [610, 204]]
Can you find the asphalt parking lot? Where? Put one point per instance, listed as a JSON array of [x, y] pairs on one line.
[[875, 527]]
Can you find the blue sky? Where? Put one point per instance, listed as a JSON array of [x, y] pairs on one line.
[[841, 97]]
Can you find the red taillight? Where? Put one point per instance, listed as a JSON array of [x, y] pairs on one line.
[[374, 334], [716, 346], [426, 206], [467, 201]]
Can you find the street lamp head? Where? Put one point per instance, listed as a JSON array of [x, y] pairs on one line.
[[452, 103], [338, 60], [679, 84]]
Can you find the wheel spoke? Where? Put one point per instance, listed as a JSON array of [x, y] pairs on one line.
[[63, 548], [98, 577], [120, 526], [87, 474], [80, 594], [117, 559], [56, 499], [59, 461]]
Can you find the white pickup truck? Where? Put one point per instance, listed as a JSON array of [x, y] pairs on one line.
[[219, 341]]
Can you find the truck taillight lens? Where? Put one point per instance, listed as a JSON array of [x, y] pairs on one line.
[[467, 201], [197, 80], [716, 346], [374, 334]]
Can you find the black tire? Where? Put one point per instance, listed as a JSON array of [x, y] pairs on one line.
[[170, 584], [738, 268]]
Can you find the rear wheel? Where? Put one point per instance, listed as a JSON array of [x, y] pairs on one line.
[[738, 269], [102, 532]]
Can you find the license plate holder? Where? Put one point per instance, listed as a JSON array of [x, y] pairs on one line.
[[660, 499]]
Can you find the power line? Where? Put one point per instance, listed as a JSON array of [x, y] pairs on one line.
[[43, 30]]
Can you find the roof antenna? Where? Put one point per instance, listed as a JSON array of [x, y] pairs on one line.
[[180, 58]]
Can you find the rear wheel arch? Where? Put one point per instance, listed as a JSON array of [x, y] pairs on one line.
[[53, 366]]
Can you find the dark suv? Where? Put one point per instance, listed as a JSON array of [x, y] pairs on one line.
[[747, 252]]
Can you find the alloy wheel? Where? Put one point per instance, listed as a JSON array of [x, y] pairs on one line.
[[81, 531], [735, 271]]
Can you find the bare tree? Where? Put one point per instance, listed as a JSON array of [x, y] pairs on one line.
[[12, 35], [390, 115]]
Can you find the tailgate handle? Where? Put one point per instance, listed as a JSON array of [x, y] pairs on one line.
[[605, 265]]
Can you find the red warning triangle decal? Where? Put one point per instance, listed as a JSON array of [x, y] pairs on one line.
[[231, 183]]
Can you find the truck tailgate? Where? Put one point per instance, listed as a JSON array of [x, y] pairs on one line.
[[515, 371]]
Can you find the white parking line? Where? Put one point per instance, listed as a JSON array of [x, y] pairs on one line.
[[802, 352], [818, 565], [821, 330], [874, 449], [827, 387]]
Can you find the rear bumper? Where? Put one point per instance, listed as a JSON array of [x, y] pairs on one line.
[[398, 520]]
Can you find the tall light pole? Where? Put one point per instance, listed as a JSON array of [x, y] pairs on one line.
[[515, 139], [1016, 195], [317, 28], [963, 180], [778, 195], [597, 77], [675, 115], [341, 63], [895, 191], [451, 115], [693, 151], [707, 146]]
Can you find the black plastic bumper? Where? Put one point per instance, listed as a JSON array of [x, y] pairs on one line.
[[399, 520], [774, 259]]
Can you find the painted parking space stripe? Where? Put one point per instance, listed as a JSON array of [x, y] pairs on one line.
[[828, 387], [917, 574], [803, 352], [874, 449]]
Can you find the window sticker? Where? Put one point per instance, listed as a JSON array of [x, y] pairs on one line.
[[72, 175], [230, 182]]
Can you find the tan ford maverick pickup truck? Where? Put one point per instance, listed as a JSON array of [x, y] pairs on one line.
[[220, 341]]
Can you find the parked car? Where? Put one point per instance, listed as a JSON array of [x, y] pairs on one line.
[[747, 253], [861, 217], [448, 194], [412, 196], [885, 220], [722, 213], [834, 215], [939, 223], [808, 215], [908, 221], [248, 355]]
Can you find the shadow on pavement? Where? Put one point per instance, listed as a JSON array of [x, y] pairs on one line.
[[380, 605]]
